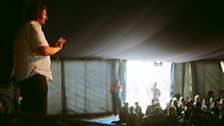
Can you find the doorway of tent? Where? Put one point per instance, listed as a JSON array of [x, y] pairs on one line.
[[141, 76]]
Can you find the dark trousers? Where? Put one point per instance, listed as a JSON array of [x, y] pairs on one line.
[[116, 103], [34, 94]]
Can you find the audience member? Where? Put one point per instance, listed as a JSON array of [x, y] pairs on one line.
[[197, 117], [215, 107], [221, 116], [210, 94], [132, 119], [221, 94], [175, 103], [148, 110], [182, 104], [171, 118], [138, 111], [155, 119], [123, 113]]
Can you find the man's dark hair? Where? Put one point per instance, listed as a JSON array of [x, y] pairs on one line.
[[34, 11]]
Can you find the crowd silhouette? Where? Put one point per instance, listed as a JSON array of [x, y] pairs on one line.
[[180, 111]]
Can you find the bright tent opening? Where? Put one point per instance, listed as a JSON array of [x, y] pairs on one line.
[[140, 77]]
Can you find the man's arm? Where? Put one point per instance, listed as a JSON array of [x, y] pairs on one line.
[[47, 50]]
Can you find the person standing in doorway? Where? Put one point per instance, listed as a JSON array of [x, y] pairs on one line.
[[32, 60], [155, 93], [116, 90]]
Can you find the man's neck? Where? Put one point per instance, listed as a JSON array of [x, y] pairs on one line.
[[40, 21]]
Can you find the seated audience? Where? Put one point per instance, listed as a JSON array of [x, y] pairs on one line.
[[155, 119]]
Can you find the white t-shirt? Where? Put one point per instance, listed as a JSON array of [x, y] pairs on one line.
[[26, 64]]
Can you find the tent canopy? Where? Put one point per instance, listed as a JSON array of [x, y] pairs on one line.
[[156, 30]]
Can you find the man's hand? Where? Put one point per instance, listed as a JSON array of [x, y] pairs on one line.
[[59, 43]]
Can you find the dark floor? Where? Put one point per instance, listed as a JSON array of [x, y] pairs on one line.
[[13, 119]]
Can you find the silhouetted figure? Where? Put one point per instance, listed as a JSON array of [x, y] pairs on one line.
[[197, 118], [116, 90], [123, 113], [172, 118], [132, 119], [155, 119], [138, 111], [221, 116], [155, 93]]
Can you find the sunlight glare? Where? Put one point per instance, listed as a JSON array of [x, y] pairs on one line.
[[140, 77]]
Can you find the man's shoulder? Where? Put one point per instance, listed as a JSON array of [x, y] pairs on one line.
[[32, 24]]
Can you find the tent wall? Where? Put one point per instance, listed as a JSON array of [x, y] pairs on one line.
[[197, 77], [209, 77], [55, 90], [82, 86]]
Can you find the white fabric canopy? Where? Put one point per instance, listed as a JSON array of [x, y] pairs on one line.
[[156, 30]]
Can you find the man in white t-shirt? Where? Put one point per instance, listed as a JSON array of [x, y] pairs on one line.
[[32, 60]]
